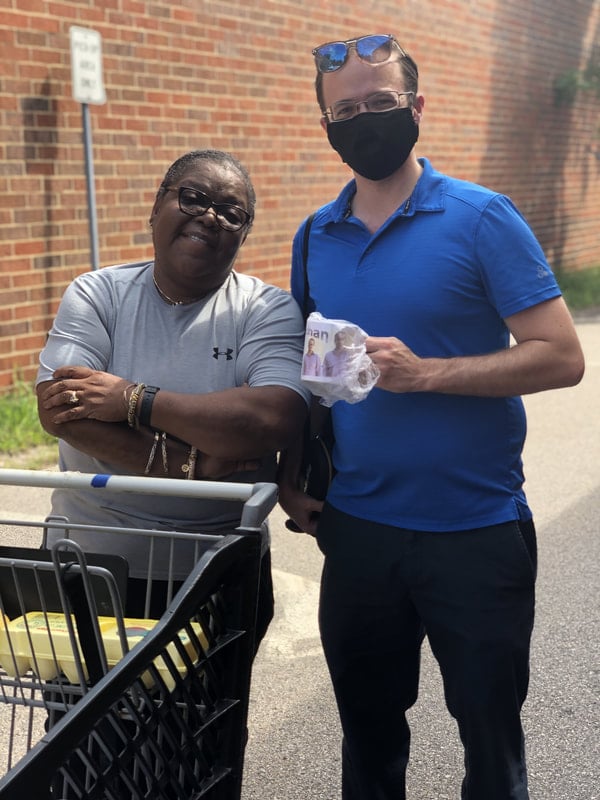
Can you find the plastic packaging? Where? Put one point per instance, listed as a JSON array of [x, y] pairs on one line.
[[335, 365]]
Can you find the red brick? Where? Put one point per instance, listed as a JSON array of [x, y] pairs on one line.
[[197, 75]]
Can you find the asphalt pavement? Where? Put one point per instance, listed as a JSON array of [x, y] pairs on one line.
[[294, 746]]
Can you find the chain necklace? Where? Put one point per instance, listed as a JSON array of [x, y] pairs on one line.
[[170, 300]]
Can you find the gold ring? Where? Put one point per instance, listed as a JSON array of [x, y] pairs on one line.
[[73, 399]]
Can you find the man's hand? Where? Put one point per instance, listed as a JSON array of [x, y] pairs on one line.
[[400, 369], [301, 508]]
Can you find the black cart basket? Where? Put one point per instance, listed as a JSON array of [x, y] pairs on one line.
[[96, 705]]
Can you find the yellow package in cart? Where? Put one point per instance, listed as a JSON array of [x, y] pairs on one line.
[[67, 661], [135, 631], [14, 663], [40, 641]]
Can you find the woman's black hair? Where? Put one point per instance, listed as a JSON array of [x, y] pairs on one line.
[[179, 167]]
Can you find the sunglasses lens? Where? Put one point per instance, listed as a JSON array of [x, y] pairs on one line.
[[374, 49], [331, 56]]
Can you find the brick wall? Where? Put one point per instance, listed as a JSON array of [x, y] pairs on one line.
[[239, 76]]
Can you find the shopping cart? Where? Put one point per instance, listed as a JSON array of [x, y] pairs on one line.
[[96, 705]]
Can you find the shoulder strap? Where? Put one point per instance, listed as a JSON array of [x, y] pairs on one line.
[[305, 242]]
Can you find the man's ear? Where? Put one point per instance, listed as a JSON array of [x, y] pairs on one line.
[[418, 106]]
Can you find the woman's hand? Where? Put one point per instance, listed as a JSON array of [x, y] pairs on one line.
[[84, 393]]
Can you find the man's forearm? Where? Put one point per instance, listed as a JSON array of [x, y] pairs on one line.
[[523, 369]]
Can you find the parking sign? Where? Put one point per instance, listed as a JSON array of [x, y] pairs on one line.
[[86, 66]]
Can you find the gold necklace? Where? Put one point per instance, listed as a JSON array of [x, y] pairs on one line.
[[170, 300]]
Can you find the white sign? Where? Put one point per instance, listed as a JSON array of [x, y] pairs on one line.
[[86, 66]]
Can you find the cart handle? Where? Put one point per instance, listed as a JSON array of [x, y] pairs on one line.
[[213, 490], [259, 498]]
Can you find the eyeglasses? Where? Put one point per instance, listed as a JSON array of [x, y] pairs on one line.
[[196, 203], [374, 49], [376, 103]]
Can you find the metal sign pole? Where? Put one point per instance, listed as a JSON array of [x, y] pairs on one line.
[[91, 191]]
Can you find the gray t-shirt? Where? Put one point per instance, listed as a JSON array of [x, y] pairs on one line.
[[113, 320]]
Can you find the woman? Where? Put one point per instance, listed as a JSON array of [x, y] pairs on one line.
[[178, 367]]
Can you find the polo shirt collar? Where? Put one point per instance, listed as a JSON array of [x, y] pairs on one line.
[[428, 195]]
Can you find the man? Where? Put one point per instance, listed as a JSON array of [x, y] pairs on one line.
[[426, 529], [176, 367], [311, 363], [335, 360]]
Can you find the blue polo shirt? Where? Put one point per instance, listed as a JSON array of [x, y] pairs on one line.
[[441, 274]]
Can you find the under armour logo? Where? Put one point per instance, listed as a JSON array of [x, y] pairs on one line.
[[542, 272], [227, 353]]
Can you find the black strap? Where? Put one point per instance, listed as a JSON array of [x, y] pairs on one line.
[[148, 396], [290, 524], [305, 242]]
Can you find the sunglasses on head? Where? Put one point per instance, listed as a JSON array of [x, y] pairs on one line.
[[375, 49]]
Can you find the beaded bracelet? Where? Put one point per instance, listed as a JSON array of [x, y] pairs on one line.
[[126, 399], [163, 446], [152, 453], [132, 419], [189, 468], [162, 438]]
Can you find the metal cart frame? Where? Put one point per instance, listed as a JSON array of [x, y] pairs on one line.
[[168, 721]]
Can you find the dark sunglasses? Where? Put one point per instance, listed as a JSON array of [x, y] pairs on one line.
[[375, 49]]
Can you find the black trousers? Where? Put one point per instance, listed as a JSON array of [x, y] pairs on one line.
[[472, 593]]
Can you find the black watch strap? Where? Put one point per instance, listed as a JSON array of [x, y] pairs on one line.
[[146, 405]]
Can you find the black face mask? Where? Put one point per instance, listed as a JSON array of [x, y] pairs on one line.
[[375, 145]]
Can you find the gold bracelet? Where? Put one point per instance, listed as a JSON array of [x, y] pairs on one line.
[[132, 419], [126, 399], [163, 448], [189, 468], [152, 453]]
